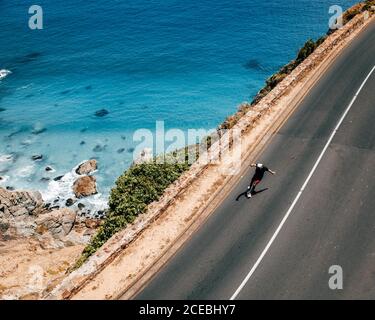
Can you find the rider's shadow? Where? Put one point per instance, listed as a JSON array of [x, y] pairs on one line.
[[253, 194]]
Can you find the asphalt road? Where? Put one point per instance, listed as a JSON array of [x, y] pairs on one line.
[[333, 222]]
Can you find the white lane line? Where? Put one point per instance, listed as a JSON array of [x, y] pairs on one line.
[[244, 282]]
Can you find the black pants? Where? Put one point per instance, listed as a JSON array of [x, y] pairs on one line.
[[254, 182]]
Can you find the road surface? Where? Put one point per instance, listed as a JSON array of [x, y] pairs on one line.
[[331, 223]]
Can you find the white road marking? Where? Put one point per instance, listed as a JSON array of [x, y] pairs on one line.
[[255, 266]]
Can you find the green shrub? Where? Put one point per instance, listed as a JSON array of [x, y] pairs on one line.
[[141, 185], [320, 41], [368, 4], [351, 13], [306, 50]]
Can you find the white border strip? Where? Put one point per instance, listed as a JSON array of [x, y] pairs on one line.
[[251, 272]]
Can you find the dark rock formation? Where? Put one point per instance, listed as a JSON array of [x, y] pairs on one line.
[[98, 148], [101, 113], [37, 157], [87, 167], [69, 202]]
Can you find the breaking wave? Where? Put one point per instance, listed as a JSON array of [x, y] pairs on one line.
[[4, 73], [58, 192]]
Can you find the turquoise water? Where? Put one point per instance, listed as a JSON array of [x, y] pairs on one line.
[[188, 63]]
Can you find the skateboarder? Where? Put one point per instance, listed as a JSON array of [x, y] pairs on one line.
[[260, 169]]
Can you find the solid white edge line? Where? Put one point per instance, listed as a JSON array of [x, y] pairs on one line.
[[244, 282]]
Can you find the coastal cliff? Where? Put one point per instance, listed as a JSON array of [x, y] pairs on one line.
[[44, 239], [40, 240]]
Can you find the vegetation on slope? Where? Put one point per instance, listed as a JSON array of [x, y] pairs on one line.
[[140, 185]]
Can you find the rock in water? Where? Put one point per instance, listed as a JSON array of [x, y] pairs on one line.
[[69, 202], [101, 113], [85, 186], [81, 206], [87, 167], [98, 148], [37, 157]]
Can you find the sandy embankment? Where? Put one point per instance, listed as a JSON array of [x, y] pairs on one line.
[[27, 268]]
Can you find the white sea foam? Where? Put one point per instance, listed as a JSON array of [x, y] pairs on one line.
[[6, 157], [25, 171], [4, 73], [25, 87], [59, 191], [96, 203], [27, 142], [4, 179]]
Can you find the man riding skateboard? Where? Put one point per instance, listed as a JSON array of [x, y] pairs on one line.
[[260, 170]]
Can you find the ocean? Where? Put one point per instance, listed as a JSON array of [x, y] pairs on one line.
[[187, 63]]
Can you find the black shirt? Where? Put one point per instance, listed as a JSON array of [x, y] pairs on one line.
[[259, 172]]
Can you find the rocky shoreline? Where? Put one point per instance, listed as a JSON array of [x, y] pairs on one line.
[[25, 213], [31, 228]]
